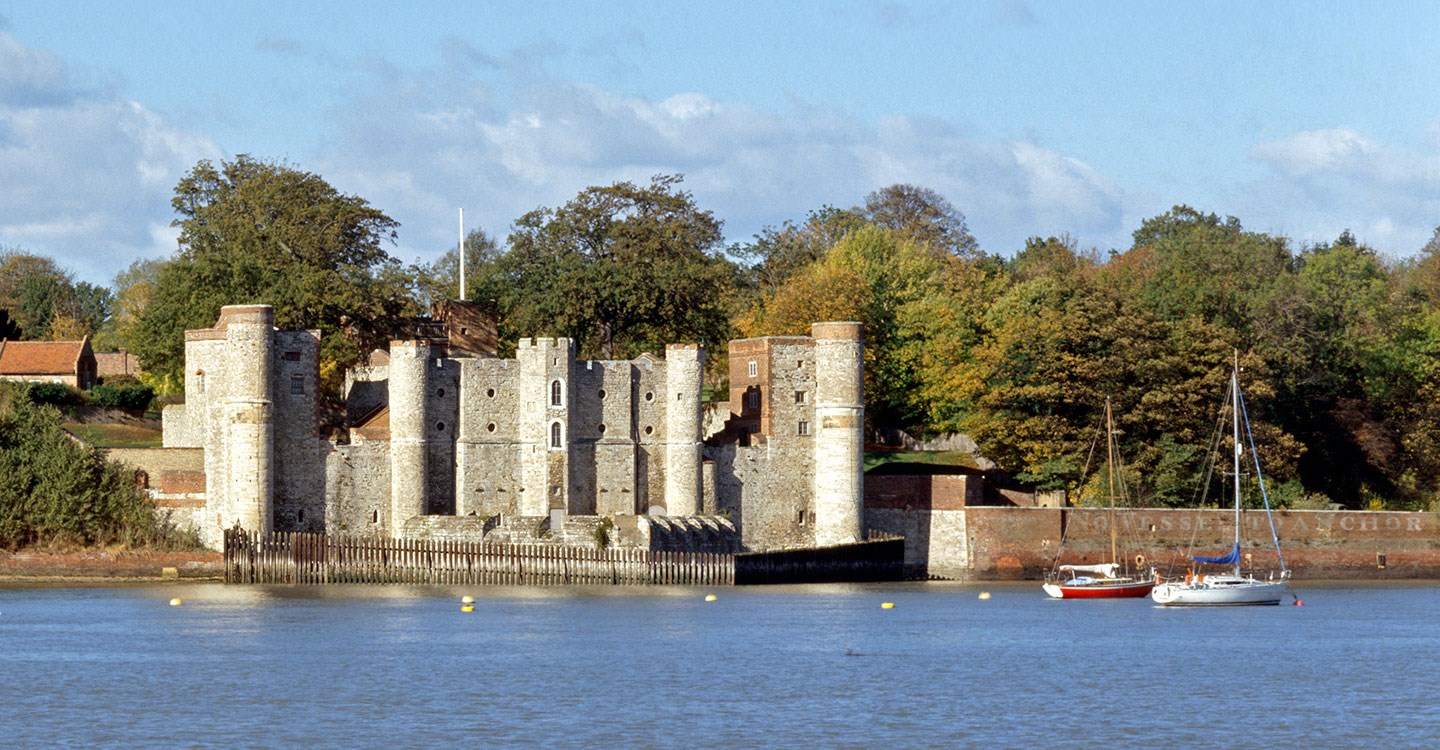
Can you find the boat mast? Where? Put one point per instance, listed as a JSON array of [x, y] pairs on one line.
[[1110, 460], [1235, 424]]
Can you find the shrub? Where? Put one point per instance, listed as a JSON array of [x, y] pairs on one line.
[[59, 492], [133, 396], [54, 394]]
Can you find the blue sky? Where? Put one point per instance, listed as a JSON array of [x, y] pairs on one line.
[[1033, 118]]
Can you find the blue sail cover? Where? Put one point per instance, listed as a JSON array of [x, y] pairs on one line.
[[1230, 559]]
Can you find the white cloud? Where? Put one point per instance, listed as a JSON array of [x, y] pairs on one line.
[[1321, 182], [1317, 152], [84, 176], [500, 141]]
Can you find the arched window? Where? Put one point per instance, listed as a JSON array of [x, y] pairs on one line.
[[555, 393], [555, 435]]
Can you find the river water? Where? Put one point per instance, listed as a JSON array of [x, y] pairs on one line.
[[793, 667]]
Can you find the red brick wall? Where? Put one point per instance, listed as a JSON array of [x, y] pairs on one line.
[[920, 492], [1022, 542]]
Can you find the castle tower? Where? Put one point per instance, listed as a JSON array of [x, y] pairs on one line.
[[544, 430], [249, 420], [684, 364], [840, 438], [409, 449]]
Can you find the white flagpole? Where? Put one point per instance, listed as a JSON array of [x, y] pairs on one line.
[[462, 255]]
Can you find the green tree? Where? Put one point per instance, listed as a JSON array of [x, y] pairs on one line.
[[922, 215], [620, 269], [132, 290], [1196, 264], [779, 253], [35, 290], [253, 232], [93, 305], [58, 492]]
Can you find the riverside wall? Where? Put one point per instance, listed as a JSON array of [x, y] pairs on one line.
[[1021, 543]]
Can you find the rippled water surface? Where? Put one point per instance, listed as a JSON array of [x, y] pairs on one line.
[[821, 666]]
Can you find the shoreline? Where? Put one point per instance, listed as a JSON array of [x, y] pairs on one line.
[[103, 566]]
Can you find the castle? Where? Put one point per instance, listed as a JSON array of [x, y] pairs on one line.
[[466, 445]]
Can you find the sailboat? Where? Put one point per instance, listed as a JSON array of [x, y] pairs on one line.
[[1230, 589], [1102, 581]]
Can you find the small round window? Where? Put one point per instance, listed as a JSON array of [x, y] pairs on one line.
[[649, 429], [440, 392], [490, 393], [439, 426], [602, 429], [602, 394], [490, 427], [649, 395]]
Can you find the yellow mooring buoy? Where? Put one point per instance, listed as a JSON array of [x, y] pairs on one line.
[[709, 597], [176, 602], [984, 594], [887, 605], [467, 608]]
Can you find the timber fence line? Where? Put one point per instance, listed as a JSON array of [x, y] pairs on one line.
[[300, 558]]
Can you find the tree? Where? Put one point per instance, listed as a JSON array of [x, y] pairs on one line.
[[440, 280], [881, 279], [779, 253], [60, 492], [922, 215], [1197, 264], [34, 288], [93, 305], [620, 269], [132, 291], [253, 232]]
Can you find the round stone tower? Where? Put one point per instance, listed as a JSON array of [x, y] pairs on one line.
[[409, 451], [249, 416], [840, 436], [684, 364]]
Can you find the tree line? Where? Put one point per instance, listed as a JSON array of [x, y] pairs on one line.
[[1019, 350]]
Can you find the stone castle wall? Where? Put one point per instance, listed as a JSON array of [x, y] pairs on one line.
[[542, 435]]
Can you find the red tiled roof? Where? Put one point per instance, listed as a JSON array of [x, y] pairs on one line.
[[39, 357]]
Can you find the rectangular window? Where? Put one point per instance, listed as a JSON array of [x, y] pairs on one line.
[[292, 356], [754, 369], [803, 428], [799, 397], [297, 384]]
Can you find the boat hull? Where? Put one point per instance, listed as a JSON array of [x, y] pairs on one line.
[[1100, 590], [1221, 591]]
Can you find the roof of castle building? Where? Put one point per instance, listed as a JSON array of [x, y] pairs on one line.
[[41, 357]]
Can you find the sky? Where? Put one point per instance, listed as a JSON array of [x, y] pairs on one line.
[[1034, 119]]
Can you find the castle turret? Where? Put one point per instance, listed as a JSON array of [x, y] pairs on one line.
[[409, 449], [839, 438], [249, 422], [684, 364], [544, 431]]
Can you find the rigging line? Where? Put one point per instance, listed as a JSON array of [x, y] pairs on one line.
[[1213, 456], [1255, 457], [1065, 528]]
